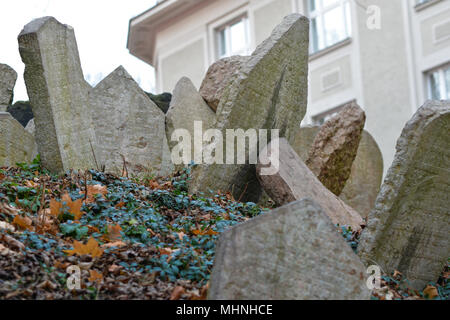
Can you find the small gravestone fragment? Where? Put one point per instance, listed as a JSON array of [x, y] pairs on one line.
[[128, 125], [16, 144], [335, 147], [269, 92], [218, 77], [58, 94], [409, 227], [363, 185], [291, 253], [294, 181], [8, 79], [31, 128], [187, 106]]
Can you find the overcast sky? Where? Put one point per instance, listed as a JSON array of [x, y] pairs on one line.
[[101, 28]]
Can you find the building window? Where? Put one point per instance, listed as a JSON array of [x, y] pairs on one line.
[[233, 38], [439, 83], [330, 22]]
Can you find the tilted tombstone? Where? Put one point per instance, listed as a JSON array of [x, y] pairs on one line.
[[294, 181], [291, 253], [335, 146], [16, 144], [218, 77], [269, 92], [129, 127], [58, 94], [363, 185], [8, 79], [187, 107], [409, 227]]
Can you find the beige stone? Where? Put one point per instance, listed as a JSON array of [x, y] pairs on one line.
[[58, 94], [294, 181], [363, 185], [186, 107], [270, 92], [128, 125], [335, 146], [291, 253], [8, 79], [218, 77], [31, 128], [16, 144], [408, 230]]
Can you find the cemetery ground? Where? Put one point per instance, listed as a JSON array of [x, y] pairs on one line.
[[132, 238]]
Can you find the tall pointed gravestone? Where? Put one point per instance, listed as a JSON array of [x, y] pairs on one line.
[[409, 227], [8, 79], [128, 125], [58, 94], [269, 92]]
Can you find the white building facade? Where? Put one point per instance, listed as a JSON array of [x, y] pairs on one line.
[[388, 55]]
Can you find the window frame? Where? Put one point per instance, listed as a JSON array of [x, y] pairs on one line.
[[320, 11], [226, 27], [443, 89]]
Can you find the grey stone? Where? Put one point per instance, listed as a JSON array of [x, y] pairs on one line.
[[409, 227], [294, 181], [363, 185], [58, 94], [291, 253], [187, 106], [128, 125], [218, 77], [335, 146], [8, 79], [31, 128], [16, 144], [270, 92]]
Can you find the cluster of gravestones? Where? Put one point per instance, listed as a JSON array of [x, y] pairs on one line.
[[328, 175]]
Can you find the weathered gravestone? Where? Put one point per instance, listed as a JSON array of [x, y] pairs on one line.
[[363, 185], [335, 146], [58, 95], [186, 107], [218, 77], [409, 227], [269, 92], [291, 253], [128, 125], [30, 128], [8, 79], [16, 144], [294, 181]]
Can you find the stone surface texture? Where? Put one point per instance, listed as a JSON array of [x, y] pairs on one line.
[[335, 146], [363, 185], [294, 181], [31, 128], [16, 144], [128, 125], [291, 253], [409, 227], [187, 106], [58, 94], [269, 92], [8, 79], [218, 77]]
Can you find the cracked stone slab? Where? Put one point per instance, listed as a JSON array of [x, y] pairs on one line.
[[291, 253], [409, 227]]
